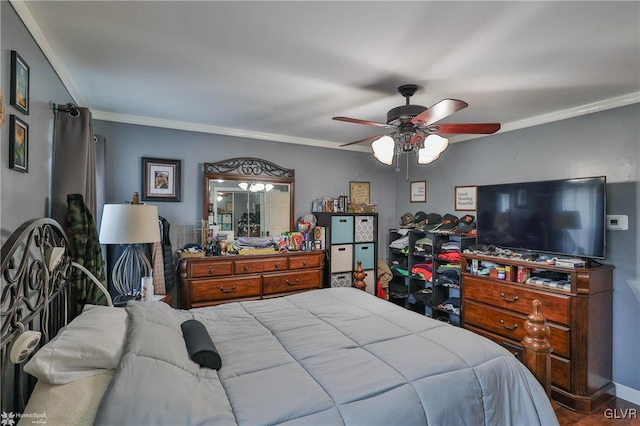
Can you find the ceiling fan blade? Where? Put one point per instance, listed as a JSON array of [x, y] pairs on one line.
[[368, 123], [371, 139], [468, 128], [437, 112]]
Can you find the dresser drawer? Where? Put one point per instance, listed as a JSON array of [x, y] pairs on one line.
[[210, 269], [560, 367], [555, 307], [511, 325], [252, 266], [314, 260], [224, 288], [291, 281]]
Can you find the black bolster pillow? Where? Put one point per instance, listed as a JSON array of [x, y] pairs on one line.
[[199, 345]]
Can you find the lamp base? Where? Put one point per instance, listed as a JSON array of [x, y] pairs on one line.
[[128, 272]]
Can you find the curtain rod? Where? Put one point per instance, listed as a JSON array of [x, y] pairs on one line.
[[69, 108]]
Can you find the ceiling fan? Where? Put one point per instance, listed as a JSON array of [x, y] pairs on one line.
[[414, 128]]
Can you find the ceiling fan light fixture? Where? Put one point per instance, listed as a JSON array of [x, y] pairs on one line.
[[384, 149], [434, 145]]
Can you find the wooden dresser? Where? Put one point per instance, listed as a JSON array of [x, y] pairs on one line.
[[210, 281], [580, 319]]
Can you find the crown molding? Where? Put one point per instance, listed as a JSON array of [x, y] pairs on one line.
[[25, 15], [616, 102], [226, 131]]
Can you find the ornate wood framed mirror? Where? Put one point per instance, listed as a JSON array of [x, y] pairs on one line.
[[249, 197]]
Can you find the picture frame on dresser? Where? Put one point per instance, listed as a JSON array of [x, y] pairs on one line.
[[161, 179], [18, 145], [19, 96]]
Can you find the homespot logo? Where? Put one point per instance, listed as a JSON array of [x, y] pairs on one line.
[[10, 419]]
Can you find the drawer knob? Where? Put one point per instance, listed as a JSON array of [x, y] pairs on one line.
[[515, 298], [304, 263], [246, 268], [212, 270], [228, 290], [277, 265], [296, 282], [508, 327]]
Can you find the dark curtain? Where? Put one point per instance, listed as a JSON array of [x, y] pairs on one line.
[[74, 162]]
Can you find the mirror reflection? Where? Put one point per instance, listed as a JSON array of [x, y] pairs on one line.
[[248, 197]]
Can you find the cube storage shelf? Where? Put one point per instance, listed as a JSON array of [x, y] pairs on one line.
[[349, 237]]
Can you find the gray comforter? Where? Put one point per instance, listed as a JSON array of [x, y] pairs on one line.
[[325, 357]]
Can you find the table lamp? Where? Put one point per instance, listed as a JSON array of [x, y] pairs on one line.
[[130, 225]]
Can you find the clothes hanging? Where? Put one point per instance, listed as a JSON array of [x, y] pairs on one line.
[[85, 245]]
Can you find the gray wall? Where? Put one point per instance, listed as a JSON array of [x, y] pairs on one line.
[[320, 172], [606, 143], [25, 195]]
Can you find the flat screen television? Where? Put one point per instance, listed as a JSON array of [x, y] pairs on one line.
[[564, 217]]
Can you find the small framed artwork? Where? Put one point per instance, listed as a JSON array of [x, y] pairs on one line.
[[18, 145], [360, 192], [19, 97], [161, 179], [418, 191], [465, 198]]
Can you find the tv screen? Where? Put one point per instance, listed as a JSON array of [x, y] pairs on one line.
[[565, 217]]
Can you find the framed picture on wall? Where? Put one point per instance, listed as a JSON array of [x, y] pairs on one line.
[[161, 179], [465, 198], [418, 191], [18, 145], [360, 192], [19, 97]]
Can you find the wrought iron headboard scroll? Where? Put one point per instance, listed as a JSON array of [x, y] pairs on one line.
[[32, 297]]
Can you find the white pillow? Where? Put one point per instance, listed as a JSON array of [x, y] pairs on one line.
[[88, 345]]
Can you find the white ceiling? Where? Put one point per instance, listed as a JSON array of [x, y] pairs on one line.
[[282, 70]]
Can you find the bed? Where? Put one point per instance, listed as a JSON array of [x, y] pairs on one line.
[[322, 357]]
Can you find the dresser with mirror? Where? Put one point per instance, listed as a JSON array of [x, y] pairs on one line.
[[248, 197]]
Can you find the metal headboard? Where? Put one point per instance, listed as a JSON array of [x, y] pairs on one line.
[[36, 294]]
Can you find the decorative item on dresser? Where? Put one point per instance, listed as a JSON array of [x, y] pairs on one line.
[[349, 237], [213, 280], [578, 305]]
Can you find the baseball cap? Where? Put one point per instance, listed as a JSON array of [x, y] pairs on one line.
[[407, 220], [466, 223], [448, 221]]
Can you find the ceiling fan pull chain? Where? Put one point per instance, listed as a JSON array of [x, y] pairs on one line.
[[407, 177]]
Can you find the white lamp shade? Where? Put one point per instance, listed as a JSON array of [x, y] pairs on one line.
[[383, 149], [129, 224]]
